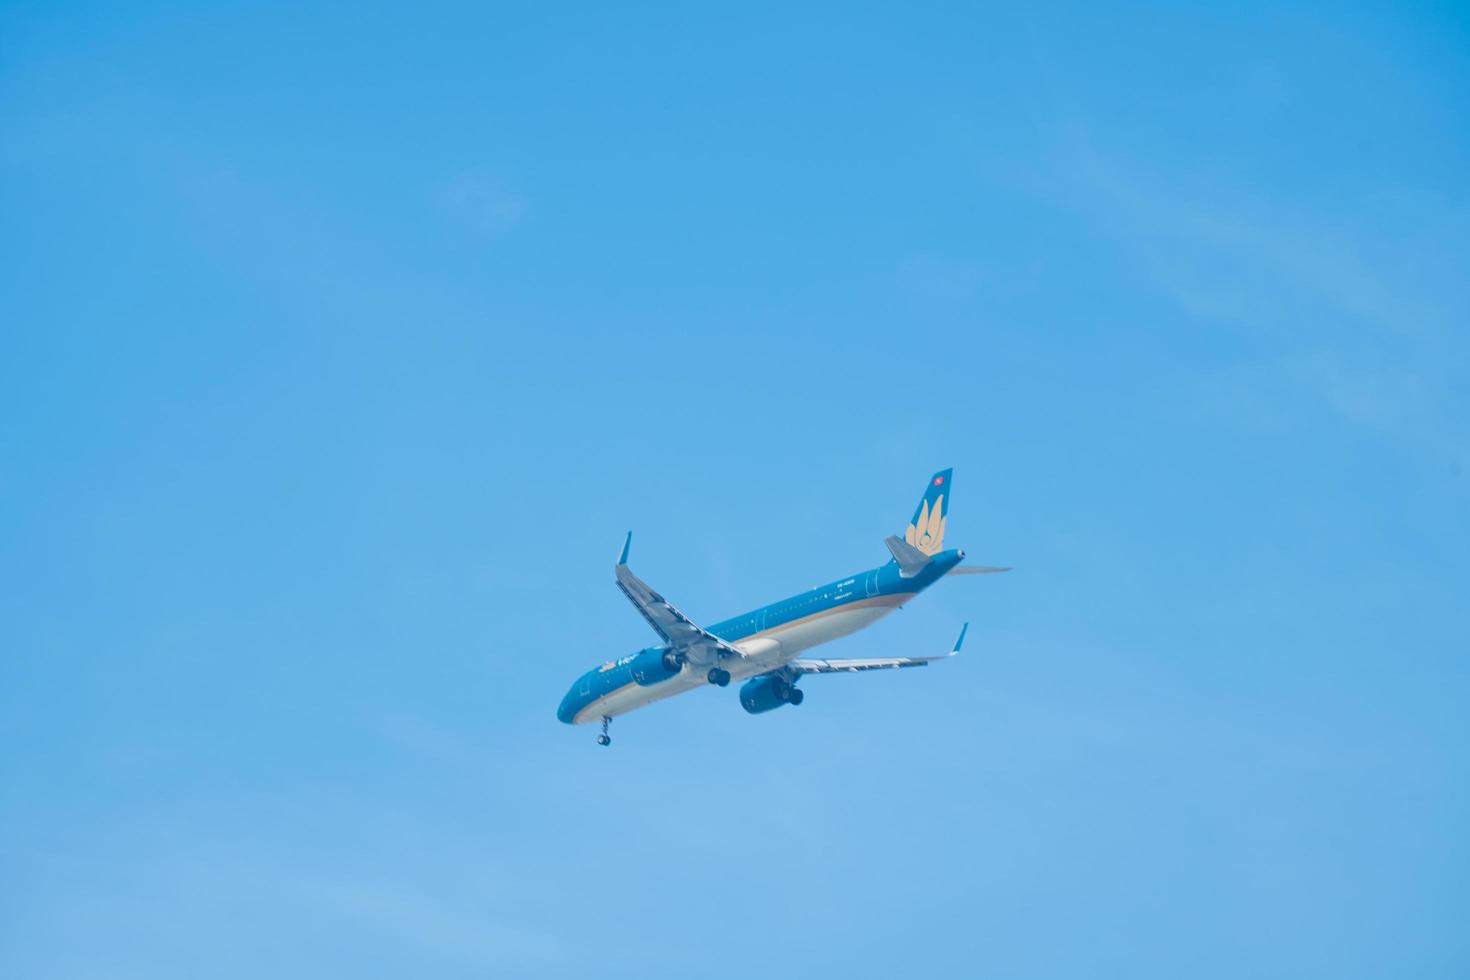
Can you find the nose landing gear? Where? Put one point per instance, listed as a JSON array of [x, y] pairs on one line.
[[605, 738]]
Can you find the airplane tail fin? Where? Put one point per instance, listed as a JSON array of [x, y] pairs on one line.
[[926, 531]]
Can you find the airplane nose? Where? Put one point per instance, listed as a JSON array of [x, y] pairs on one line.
[[566, 712]]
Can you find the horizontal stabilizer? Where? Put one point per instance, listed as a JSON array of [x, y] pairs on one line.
[[911, 561], [977, 569]]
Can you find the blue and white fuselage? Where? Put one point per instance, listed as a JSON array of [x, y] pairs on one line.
[[766, 644], [767, 638]]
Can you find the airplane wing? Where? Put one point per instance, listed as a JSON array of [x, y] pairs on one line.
[[870, 663], [698, 645]]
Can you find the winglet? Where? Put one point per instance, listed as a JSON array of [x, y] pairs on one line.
[[627, 543], [960, 640]]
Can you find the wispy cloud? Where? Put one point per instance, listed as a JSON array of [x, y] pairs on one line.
[[1340, 306], [1229, 253]]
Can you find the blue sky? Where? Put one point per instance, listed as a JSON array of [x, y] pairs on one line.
[[341, 346]]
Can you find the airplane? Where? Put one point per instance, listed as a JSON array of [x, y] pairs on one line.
[[765, 644]]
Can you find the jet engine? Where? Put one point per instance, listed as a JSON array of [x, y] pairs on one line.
[[765, 693], [652, 666]]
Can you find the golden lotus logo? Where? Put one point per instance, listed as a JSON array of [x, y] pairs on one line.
[[928, 534]]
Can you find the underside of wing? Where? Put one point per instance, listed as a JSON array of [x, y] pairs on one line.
[[698, 645], [853, 666], [813, 666]]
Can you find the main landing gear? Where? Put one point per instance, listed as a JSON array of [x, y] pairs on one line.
[[718, 676], [605, 738]]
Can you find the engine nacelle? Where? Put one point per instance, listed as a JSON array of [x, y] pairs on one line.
[[651, 667], [766, 693]]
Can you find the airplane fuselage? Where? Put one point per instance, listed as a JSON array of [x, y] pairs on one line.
[[767, 638]]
